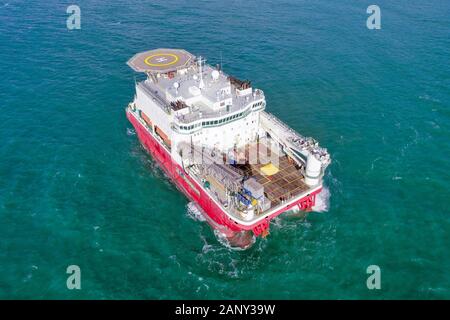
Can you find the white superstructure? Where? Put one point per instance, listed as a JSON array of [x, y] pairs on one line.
[[203, 106]]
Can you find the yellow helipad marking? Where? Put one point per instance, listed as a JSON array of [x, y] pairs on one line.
[[146, 61]]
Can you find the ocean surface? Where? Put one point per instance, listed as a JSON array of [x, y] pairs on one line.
[[76, 187]]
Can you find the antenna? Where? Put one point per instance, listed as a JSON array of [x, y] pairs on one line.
[[221, 66], [201, 84]]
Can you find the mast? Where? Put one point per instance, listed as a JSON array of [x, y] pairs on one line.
[[201, 84]]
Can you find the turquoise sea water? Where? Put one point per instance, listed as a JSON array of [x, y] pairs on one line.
[[77, 188]]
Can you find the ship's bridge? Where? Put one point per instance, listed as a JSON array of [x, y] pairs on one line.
[[161, 60]]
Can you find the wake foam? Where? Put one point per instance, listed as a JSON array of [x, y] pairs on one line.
[[322, 201], [237, 242], [194, 212]]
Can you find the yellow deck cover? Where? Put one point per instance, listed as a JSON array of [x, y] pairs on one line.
[[269, 169]]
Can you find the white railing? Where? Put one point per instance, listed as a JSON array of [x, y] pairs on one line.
[[295, 141]]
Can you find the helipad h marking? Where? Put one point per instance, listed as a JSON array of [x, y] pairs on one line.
[[147, 60]]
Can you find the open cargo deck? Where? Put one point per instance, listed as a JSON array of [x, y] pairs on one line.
[[273, 178], [288, 182]]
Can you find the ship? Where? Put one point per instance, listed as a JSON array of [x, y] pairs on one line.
[[211, 134]]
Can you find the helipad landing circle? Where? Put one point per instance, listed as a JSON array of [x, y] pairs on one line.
[[161, 59]]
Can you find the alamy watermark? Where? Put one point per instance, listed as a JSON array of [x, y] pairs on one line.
[[74, 20], [374, 280], [74, 280], [374, 20], [259, 153]]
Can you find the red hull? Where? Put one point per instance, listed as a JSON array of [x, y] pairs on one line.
[[215, 215]]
